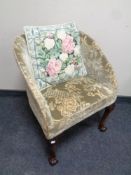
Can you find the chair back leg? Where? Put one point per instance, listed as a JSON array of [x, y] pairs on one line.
[[107, 111]]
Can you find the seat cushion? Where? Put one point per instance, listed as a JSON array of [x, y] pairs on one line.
[[73, 101], [55, 53]]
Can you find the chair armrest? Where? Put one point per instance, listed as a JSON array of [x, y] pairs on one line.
[[20, 49], [96, 62]]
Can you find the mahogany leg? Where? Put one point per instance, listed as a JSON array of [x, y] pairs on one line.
[[52, 157], [108, 110]]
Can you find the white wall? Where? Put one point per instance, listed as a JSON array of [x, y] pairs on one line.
[[107, 21]]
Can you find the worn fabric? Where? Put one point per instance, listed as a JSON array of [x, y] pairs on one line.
[[82, 103]]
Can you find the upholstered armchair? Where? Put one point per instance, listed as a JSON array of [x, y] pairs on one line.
[[61, 106]]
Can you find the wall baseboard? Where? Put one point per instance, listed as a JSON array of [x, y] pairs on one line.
[[4, 93], [126, 99], [14, 93]]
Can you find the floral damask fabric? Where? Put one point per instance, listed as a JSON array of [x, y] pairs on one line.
[[59, 107], [55, 53], [73, 96]]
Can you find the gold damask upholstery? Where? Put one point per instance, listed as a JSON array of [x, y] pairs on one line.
[[61, 106]]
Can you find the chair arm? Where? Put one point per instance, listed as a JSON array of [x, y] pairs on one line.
[[20, 49], [96, 62]]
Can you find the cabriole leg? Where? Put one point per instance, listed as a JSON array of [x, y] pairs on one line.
[[108, 110]]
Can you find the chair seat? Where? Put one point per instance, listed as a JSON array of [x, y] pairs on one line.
[[69, 99]]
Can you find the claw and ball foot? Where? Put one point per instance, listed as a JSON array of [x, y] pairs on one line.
[[108, 110]]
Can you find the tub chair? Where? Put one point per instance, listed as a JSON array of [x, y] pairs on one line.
[[61, 106]]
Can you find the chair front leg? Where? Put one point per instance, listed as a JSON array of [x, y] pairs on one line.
[[52, 155], [107, 111]]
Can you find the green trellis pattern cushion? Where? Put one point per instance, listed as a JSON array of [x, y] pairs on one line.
[[55, 53]]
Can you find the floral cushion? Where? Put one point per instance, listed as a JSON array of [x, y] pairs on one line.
[[55, 53]]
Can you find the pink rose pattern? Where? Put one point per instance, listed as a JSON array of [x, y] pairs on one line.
[[50, 45], [68, 44], [56, 67], [53, 67]]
